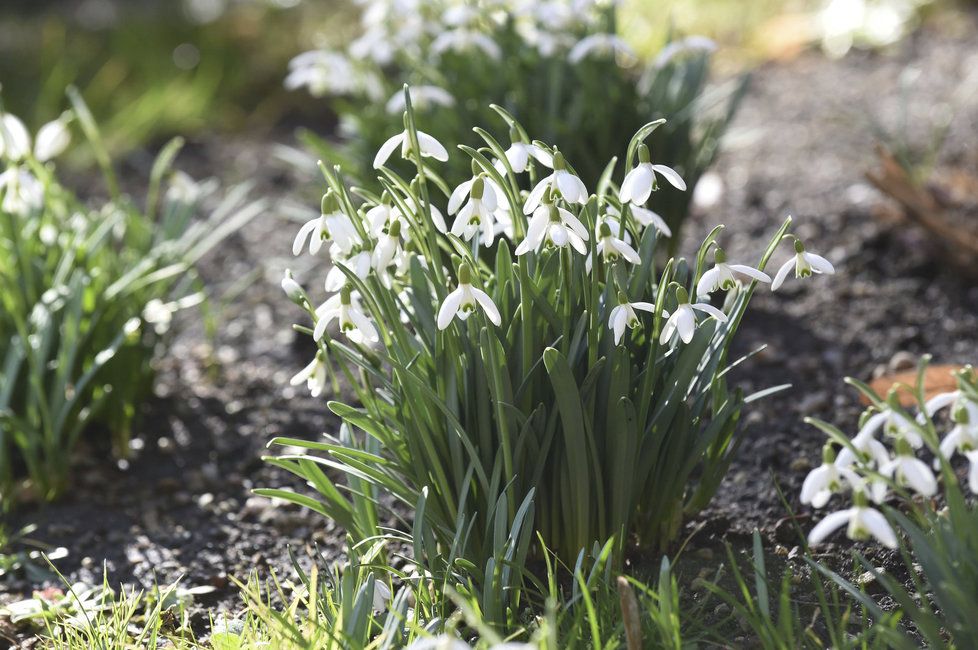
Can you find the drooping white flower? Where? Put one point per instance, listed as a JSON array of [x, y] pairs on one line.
[[291, 288], [623, 315], [21, 191], [804, 263], [422, 98], [894, 424], [600, 45], [556, 226], [827, 479], [430, 148], [463, 300], [519, 154], [382, 596], [465, 40], [15, 141], [323, 72], [314, 376], [52, 139], [332, 224], [359, 261], [683, 320], [909, 471], [727, 276], [477, 215], [611, 248], [637, 186], [865, 447], [863, 522], [387, 247], [561, 183], [354, 324], [441, 642]]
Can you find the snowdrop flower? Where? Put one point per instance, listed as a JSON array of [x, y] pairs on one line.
[[15, 141], [388, 245], [826, 479], [314, 376], [331, 224], [909, 471], [600, 45], [610, 248], [464, 40], [683, 320], [638, 183], [477, 213], [624, 315], [22, 192], [292, 288], [460, 15], [382, 596], [441, 642], [556, 226], [52, 139], [863, 522], [359, 262], [353, 322], [430, 148], [727, 276], [895, 425], [561, 182], [463, 301], [322, 72], [804, 263], [864, 446], [963, 436], [686, 45], [422, 98], [519, 153]]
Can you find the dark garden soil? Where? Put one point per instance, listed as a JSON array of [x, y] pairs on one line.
[[181, 507]]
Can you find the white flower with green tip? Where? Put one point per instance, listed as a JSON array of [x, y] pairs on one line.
[[683, 320], [623, 315], [909, 471], [804, 263], [477, 215], [561, 183], [863, 522], [313, 375], [345, 308], [331, 225], [725, 276], [429, 146], [520, 153], [610, 248], [639, 182], [827, 479], [557, 226], [464, 300]]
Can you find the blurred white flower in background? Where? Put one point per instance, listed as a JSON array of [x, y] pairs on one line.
[[430, 148], [422, 98], [601, 45], [863, 522], [22, 192], [844, 24]]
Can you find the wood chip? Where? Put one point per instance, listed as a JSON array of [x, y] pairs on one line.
[[937, 379]]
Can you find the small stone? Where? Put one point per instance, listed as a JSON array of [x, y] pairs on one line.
[[205, 499], [800, 464]]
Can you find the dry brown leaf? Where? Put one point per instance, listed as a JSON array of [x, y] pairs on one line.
[[937, 379]]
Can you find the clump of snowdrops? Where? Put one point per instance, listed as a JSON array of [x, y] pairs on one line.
[[87, 294], [899, 473], [560, 65], [524, 361]]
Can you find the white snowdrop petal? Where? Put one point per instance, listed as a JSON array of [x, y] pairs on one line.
[[782, 274], [672, 176], [831, 523], [877, 525], [819, 263], [449, 308], [386, 149], [488, 306], [751, 272], [431, 147]]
